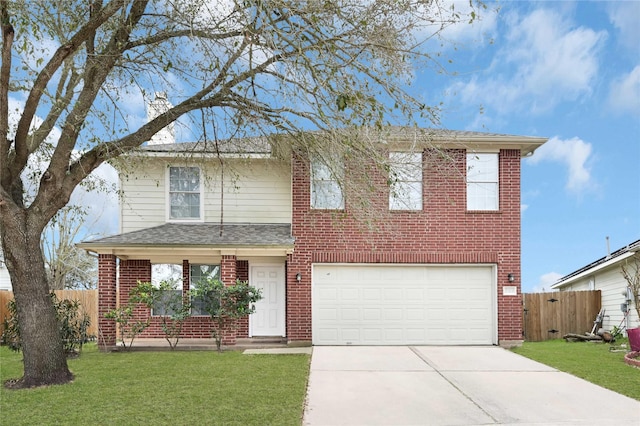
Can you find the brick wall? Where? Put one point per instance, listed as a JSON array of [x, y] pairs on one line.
[[193, 327], [242, 272], [107, 278], [444, 232]]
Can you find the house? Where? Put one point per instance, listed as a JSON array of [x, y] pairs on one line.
[[605, 275], [437, 263], [5, 280]]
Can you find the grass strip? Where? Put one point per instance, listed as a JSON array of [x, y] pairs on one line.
[[590, 361], [164, 387]]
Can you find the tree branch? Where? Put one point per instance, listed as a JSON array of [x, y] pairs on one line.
[[5, 75], [44, 77]]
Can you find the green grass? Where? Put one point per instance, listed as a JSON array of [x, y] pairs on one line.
[[176, 388], [590, 361]]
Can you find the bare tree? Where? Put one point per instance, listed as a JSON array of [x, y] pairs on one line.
[[631, 273], [237, 67], [67, 265]]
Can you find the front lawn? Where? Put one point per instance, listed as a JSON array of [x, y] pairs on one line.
[[177, 388], [590, 361]]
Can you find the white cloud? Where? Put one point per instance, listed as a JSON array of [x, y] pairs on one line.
[[573, 153], [546, 281], [544, 60], [624, 15], [547, 52], [523, 207], [624, 94]]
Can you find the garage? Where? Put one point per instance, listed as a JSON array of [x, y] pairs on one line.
[[403, 304]]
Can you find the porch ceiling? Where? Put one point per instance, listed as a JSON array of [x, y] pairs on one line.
[[200, 242]]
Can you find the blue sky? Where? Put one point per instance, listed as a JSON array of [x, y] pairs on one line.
[[566, 70], [569, 71]]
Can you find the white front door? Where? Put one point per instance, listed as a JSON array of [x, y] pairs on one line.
[[269, 317]]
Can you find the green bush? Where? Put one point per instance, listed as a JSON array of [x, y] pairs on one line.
[[72, 321], [165, 300], [225, 304], [124, 316]]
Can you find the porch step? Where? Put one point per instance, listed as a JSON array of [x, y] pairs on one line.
[[262, 340]]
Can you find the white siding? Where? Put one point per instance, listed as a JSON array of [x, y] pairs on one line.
[[5, 281], [580, 285], [612, 286], [257, 191], [143, 203]]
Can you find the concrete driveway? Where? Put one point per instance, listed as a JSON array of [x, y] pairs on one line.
[[434, 385]]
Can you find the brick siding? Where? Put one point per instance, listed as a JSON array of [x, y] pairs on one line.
[[444, 232]]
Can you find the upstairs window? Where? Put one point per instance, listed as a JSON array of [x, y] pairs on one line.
[[184, 193], [326, 192], [482, 181], [405, 181]]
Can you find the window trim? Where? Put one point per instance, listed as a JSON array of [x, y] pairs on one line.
[[332, 179], [402, 205], [496, 182], [168, 195]]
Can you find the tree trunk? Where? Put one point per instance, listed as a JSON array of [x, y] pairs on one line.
[[45, 362]]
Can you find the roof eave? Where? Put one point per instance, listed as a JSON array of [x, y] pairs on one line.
[[202, 155], [169, 253], [526, 144], [609, 263]]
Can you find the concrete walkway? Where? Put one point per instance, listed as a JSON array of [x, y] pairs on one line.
[[428, 385]]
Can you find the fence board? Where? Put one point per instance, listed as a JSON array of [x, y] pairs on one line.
[[552, 315], [88, 303]]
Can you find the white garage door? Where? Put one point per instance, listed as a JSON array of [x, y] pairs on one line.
[[403, 304]]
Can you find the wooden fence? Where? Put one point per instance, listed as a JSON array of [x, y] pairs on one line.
[[549, 316], [88, 303]]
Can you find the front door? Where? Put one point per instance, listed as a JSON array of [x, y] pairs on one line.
[[269, 317]]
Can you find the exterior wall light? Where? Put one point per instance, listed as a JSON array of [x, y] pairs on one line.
[[511, 278], [298, 277]]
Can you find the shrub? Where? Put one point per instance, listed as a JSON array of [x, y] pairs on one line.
[[175, 308], [128, 323], [225, 304], [72, 321], [164, 299]]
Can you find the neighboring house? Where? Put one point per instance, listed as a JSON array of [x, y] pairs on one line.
[[5, 280], [440, 265], [605, 275]]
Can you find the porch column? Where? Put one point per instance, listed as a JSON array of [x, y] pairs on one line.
[[228, 271], [228, 275], [186, 278], [106, 300]]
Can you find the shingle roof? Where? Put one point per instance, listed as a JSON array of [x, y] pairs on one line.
[[201, 234], [262, 144], [257, 145], [633, 247]]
